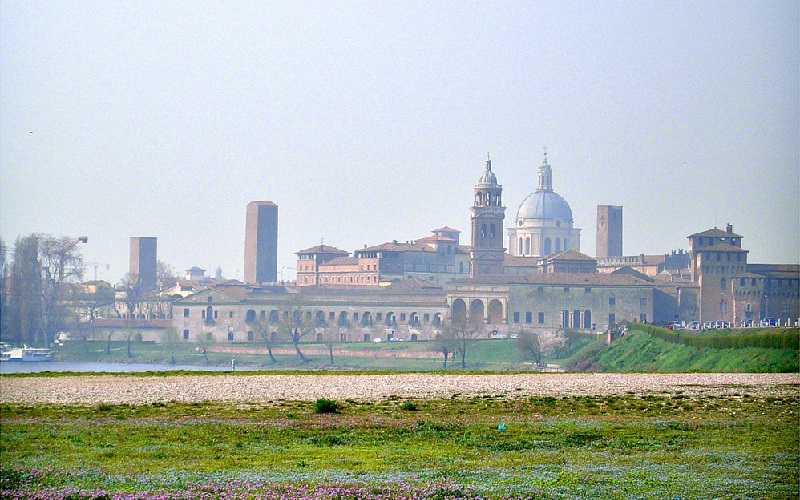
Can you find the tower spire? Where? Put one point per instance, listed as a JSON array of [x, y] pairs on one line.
[[488, 162]]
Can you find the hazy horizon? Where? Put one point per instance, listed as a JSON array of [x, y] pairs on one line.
[[367, 122]]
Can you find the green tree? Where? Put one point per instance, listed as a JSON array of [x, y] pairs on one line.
[[445, 344], [21, 322]]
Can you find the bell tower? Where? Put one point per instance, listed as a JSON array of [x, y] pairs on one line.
[[487, 252]]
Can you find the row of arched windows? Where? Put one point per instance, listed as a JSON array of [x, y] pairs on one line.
[[524, 246]]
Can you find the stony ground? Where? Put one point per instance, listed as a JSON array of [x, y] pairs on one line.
[[116, 389]]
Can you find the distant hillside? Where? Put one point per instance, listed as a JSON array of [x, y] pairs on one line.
[[640, 351]]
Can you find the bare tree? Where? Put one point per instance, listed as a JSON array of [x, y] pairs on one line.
[[61, 264], [464, 334], [296, 323], [170, 338], [262, 331], [165, 276], [133, 289], [329, 338]]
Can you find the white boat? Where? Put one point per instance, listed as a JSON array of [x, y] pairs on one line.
[[25, 354]]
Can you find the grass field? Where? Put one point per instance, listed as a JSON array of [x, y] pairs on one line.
[[743, 444]]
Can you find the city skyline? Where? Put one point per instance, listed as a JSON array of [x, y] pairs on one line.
[[368, 122]]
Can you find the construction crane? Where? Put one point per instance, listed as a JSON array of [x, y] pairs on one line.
[[95, 265]]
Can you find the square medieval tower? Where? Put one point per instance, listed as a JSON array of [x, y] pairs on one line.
[[261, 242], [143, 258], [609, 231]]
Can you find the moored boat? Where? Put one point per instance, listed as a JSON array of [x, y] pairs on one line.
[[25, 353]]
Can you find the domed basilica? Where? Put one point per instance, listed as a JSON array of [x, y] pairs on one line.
[[544, 224]]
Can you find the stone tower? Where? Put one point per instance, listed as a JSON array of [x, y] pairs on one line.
[[143, 261], [487, 252], [261, 242], [609, 231]]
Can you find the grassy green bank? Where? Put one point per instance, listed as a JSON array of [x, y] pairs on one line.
[[667, 445], [648, 351]]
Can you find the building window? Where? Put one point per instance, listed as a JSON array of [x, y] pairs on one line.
[[722, 283], [541, 318], [642, 318], [612, 320], [186, 335], [427, 318], [402, 316], [566, 289], [250, 336], [587, 290], [379, 317], [186, 313], [741, 281], [612, 301], [786, 309], [355, 316], [230, 314], [230, 336], [643, 302], [723, 306], [540, 289], [516, 317]]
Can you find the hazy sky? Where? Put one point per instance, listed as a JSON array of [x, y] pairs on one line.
[[370, 121]]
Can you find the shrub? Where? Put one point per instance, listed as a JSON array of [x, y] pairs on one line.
[[409, 406], [323, 405]]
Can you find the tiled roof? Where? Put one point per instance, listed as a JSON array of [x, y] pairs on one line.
[[446, 229], [775, 270], [517, 261], [393, 246], [322, 249], [435, 238], [569, 255], [720, 233], [341, 261]]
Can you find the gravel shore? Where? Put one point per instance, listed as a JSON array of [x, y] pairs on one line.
[[260, 388]]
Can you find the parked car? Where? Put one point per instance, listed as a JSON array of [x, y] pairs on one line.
[[721, 324], [675, 325], [747, 323], [693, 325], [769, 321]]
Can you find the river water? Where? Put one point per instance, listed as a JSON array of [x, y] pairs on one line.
[[7, 367]]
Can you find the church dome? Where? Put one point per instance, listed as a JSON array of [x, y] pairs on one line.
[[544, 204], [488, 177]]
